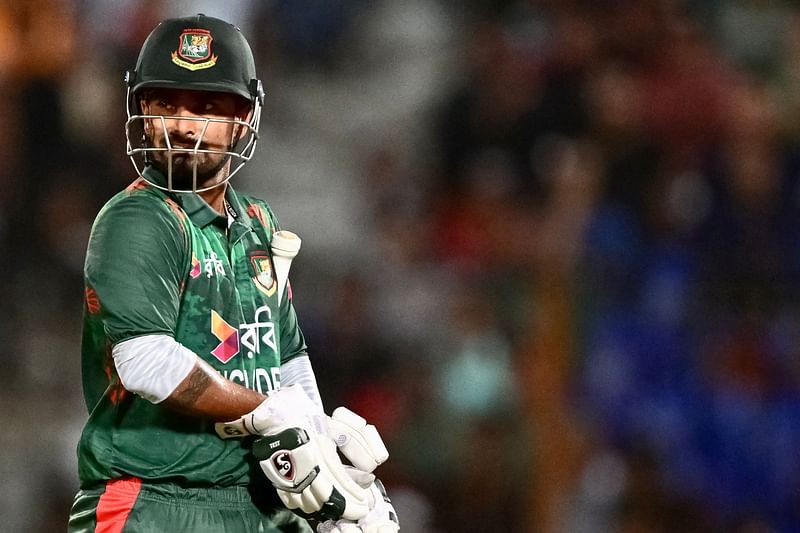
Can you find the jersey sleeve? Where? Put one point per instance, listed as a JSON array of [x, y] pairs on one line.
[[135, 263]]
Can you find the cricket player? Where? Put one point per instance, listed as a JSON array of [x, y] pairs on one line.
[[204, 412]]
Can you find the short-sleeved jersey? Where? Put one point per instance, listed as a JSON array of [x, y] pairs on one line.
[[164, 263]]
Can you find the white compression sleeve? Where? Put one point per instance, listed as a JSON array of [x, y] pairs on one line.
[[298, 370], [152, 366]]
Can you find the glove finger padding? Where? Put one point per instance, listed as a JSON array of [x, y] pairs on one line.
[[359, 441], [309, 476], [340, 526], [363, 479], [382, 518]]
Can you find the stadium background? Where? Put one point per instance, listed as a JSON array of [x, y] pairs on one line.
[[550, 247]]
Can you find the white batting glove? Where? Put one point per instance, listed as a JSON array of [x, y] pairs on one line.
[[341, 526], [286, 407], [299, 458], [358, 441], [309, 477], [382, 517], [363, 446]]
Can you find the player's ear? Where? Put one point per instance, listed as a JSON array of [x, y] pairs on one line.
[[244, 113], [144, 109], [143, 103]]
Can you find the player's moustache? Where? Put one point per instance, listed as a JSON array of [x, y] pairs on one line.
[[178, 140]]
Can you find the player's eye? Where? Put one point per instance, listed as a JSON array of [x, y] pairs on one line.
[[209, 107]]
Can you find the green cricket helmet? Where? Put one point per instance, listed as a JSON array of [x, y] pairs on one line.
[[198, 53]]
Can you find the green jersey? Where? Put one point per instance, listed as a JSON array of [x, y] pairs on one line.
[[163, 263]]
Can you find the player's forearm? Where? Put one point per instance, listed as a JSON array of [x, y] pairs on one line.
[[163, 371], [205, 393]]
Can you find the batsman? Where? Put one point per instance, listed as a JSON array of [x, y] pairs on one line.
[[204, 411]]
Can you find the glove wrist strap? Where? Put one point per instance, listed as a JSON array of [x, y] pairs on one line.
[[234, 429]]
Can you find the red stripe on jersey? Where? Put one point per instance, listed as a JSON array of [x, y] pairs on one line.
[[116, 503]]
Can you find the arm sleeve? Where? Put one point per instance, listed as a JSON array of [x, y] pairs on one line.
[[135, 262], [152, 366], [293, 343], [299, 371]]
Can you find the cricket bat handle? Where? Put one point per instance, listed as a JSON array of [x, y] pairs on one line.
[[285, 246]]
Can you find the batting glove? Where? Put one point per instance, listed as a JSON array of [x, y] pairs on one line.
[[299, 458], [309, 476], [382, 517], [363, 446], [358, 441], [286, 407]]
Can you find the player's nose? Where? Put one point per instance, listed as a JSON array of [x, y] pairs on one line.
[[185, 123]]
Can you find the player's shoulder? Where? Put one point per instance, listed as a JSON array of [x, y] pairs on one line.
[[141, 203], [259, 211]]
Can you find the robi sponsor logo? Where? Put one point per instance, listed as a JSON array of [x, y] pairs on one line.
[[260, 332], [228, 337], [254, 337]]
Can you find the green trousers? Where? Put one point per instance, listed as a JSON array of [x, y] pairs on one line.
[[131, 506]]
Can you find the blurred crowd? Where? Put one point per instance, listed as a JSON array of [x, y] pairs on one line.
[[551, 248]]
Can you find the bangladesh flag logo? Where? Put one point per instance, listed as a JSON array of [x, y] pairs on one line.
[[263, 278], [194, 50]]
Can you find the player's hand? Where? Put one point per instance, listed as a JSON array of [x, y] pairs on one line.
[[299, 457], [382, 518], [309, 477], [341, 526], [358, 441], [298, 454], [284, 408], [363, 446]]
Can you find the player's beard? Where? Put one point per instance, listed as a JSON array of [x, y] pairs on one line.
[[209, 166]]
